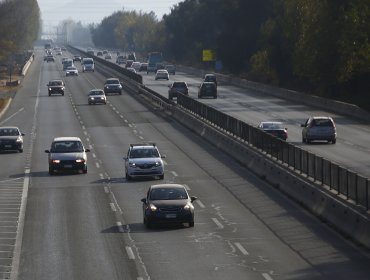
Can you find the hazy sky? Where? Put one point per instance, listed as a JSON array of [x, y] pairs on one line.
[[88, 11]]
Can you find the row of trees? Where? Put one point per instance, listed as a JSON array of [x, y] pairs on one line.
[[19, 26], [318, 46]]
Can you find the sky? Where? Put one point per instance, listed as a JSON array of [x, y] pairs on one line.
[[93, 11]]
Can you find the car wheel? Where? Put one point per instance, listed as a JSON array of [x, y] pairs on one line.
[[191, 224], [51, 171], [21, 150], [84, 171], [215, 97], [63, 94], [199, 96], [334, 141], [161, 177], [49, 94], [303, 140], [148, 224], [120, 93], [128, 177]]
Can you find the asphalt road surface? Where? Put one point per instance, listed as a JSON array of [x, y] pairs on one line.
[[89, 226]]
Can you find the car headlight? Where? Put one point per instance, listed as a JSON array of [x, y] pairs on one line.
[[158, 163], [81, 160], [91, 98], [119, 86], [132, 164], [55, 161], [152, 207], [49, 88], [188, 206], [19, 140]]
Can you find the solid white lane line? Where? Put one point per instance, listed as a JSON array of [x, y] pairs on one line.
[[106, 190], [174, 173], [130, 253], [97, 165], [201, 205], [267, 276], [83, 127], [134, 131], [94, 155], [141, 137], [113, 207], [217, 223], [85, 132], [11, 116], [241, 248]]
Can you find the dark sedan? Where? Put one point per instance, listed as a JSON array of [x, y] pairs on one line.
[[11, 139], [275, 128], [168, 203]]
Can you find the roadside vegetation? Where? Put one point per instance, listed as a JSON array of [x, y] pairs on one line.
[[316, 46]]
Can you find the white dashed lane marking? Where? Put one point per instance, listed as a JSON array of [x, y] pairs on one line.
[[266, 276], [217, 222], [130, 253], [174, 173], [241, 248], [201, 205]]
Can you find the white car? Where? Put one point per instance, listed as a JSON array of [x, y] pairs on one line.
[[136, 65], [97, 96], [131, 69], [162, 74], [71, 71], [144, 160]]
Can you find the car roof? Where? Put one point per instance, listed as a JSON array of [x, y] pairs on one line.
[[9, 127], [70, 138], [112, 79], [321, 117], [143, 146], [167, 186], [56, 81], [271, 122]]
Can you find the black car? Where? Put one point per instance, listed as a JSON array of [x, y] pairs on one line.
[[55, 87], [168, 203], [11, 139], [177, 87], [207, 89], [113, 85], [77, 58], [275, 128], [49, 58], [210, 78]]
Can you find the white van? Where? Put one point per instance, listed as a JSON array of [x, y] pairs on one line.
[[88, 64]]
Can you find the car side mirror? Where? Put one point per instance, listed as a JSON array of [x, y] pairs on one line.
[[23, 134], [143, 200], [47, 151], [193, 198], [163, 156], [124, 158], [87, 150], [303, 125]]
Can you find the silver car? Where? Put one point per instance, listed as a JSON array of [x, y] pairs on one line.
[[144, 160], [319, 128], [97, 96], [67, 154], [162, 74]]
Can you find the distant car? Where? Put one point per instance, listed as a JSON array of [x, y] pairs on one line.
[[132, 56], [64, 49], [71, 71], [90, 52], [162, 74], [55, 87], [58, 52], [136, 65], [168, 204], [210, 78], [275, 128], [144, 160], [319, 128], [108, 56], [105, 52], [171, 69], [131, 69], [67, 154], [11, 139], [177, 87], [207, 89], [67, 63], [120, 59], [97, 96], [99, 53], [77, 58], [49, 58], [113, 85], [88, 64], [143, 67]]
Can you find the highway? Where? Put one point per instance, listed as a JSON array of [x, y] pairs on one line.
[[352, 149], [89, 226]]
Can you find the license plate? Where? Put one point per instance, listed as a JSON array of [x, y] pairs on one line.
[[68, 166], [8, 146], [170, 216]]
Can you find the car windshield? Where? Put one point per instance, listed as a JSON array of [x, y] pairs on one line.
[[55, 83], [144, 153], [168, 194], [179, 85], [96, 93], [111, 82], [272, 126], [66, 147], [71, 68], [9, 132], [322, 122]]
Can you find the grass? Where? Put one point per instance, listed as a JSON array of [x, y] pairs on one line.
[[3, 101]]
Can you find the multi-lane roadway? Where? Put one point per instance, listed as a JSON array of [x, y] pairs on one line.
[[89, 226]]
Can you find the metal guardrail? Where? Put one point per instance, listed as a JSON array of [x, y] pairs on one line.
[[344, 181]]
